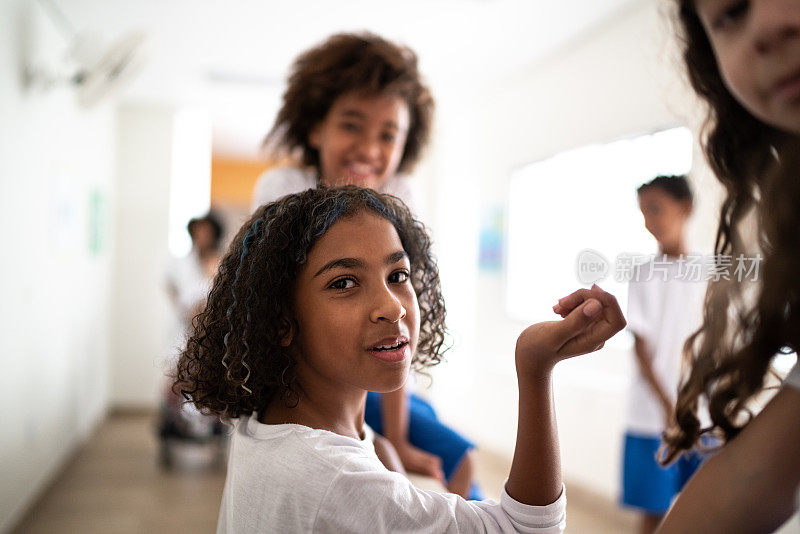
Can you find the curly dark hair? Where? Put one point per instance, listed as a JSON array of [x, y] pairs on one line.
[[344, 63], [758, 165], [234, 362]]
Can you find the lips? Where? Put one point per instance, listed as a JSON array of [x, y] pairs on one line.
[[390, 349], [361, 171]]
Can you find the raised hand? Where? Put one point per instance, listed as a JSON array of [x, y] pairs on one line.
[[589, 318]]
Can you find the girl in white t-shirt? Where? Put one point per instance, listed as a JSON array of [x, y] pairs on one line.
[[323, 296], [743, 59]]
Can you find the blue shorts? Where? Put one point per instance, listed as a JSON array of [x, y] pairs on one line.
[[426, 432], [646, 484]]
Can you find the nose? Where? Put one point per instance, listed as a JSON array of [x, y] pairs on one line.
[[369, 146], [387, 307], [775, 24]]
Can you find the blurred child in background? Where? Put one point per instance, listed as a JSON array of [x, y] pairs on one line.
[[665, 301], [188, 280]]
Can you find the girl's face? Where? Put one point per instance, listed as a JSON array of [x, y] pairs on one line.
[[757, 47], [202, 235], [361, 140], [664, 216], [356, 311]]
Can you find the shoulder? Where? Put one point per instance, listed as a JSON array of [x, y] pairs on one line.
[[314, 446], [300, 461], [281, 181], [299, 465]]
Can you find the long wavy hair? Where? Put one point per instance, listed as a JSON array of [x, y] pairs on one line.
[[234, 362], [364, 63], [744, 325]]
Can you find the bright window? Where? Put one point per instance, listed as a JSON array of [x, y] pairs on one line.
[[578, 200]]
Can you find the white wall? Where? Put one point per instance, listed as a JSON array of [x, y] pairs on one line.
[[161, 150], [56, 168], [140, 312], [621, 79]]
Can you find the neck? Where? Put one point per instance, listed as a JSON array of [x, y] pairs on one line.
[[675, 250], [336, 410], [205, 253]]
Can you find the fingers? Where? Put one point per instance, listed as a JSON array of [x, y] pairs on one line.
[[578, 320], [565, 305], [575, 299], [585, 328]]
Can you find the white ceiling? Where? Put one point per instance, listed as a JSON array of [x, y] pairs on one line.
[[250, 44]]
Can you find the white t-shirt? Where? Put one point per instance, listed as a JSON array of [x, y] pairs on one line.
[[276, 183], [290, 478], [664, 314], [190, 282], [191, 286]]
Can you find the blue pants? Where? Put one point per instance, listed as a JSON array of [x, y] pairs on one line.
[[426, 432], [646, 484]]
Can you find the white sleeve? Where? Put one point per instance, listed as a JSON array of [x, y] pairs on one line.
[[365, 497], [793, 378]]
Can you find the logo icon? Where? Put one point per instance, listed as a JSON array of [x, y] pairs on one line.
[[591, 267]]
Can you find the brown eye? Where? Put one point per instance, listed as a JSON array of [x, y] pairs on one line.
[[398, 277], [342, 284]]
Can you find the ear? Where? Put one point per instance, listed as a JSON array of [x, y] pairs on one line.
[[315, 136], [287, 334], [686, 209]]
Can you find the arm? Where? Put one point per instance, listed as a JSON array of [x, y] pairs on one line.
[[395, 415], [749, 485], [535, 476], [394, 410], [591, 316], [645, 363], [387, 455]]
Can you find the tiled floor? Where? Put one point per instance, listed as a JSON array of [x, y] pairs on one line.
[[114, 486]]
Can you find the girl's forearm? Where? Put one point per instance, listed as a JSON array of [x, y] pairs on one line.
[[535, 476]]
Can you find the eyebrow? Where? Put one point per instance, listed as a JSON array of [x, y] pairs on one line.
[[357, 263], [355, 114]]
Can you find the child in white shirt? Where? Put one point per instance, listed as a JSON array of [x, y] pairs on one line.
[[328, 294]]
